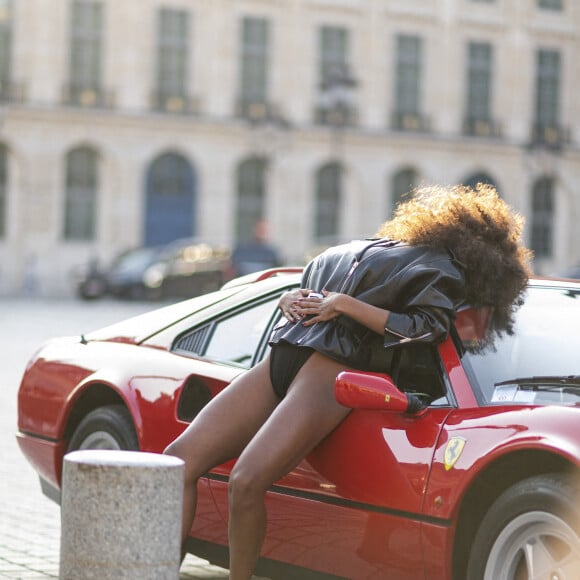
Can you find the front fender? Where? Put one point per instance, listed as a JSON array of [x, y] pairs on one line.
[[100, 388], [472, 440], [146, 381]]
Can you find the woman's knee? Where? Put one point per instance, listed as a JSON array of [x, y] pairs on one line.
[[192, 471], [246, 486], [175, 449]]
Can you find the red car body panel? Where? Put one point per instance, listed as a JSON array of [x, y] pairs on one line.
[[342, 540], [489, 434], [45, 405], [461, 387], [45, 456]]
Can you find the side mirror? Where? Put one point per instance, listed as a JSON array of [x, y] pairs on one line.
[[365, 390]]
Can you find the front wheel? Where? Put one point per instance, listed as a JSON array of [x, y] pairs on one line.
[[531, 532], [109, 427]]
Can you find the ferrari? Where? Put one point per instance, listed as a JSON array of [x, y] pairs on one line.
[[482, 483]]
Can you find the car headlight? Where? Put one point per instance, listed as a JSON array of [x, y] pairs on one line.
[[154, 275]]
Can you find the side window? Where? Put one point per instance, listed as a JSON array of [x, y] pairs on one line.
[[416, 369], [233, 339]]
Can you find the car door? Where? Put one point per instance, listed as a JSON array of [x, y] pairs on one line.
[[360, 493], [353, 506]]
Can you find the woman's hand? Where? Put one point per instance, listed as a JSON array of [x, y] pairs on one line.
[[297, 305], [319, 309], [288, 302]]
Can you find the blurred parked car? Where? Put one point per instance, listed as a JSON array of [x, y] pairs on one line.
[[181, 269], [481, 484]]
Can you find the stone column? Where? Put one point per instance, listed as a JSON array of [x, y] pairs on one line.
[[121, 516]]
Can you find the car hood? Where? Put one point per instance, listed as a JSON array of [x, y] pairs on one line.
[[137, 329]]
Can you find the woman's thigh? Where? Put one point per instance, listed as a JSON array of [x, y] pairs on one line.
[[225, 425], [307, 414]]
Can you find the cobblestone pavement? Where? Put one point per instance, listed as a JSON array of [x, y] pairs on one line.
[[29, 522]]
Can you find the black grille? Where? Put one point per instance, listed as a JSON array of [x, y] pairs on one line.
[[194, 341]]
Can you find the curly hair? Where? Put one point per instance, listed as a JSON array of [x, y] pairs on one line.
[[483, 233]]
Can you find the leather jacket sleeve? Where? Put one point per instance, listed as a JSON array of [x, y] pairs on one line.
[[432, 293]]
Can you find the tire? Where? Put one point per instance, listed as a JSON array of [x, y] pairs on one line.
[[531, 532], [109, 427]]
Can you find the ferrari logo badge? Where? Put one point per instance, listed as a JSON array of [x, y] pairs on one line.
[[453, 451]]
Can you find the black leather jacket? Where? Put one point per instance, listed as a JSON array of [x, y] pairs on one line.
[[421, 287]]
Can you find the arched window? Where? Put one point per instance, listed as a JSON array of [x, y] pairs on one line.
[[328, 202], [169, 175], [476, 178], [81, 194], [404, 182], [170, 203], [3, 189], [251, 195], [542, 225]]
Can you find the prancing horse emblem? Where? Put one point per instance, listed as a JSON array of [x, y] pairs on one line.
[[453, 451]]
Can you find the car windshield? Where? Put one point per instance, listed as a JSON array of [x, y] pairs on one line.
[[135, 261], [539, 363]]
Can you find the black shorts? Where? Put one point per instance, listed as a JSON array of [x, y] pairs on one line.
[[285, 361]]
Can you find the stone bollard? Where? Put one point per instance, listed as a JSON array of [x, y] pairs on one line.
[[121, 516]]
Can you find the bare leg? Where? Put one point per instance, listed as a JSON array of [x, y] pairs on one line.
[[221, 430], [307, 414]]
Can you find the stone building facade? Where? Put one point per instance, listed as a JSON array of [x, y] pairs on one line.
[[135, 122]]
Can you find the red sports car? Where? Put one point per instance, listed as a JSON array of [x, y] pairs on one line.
[[481, 484]]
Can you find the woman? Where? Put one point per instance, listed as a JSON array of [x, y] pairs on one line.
[[443, 248]]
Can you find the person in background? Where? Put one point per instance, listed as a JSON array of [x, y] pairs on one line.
[[445, 247], [30, 278], [256, 254]]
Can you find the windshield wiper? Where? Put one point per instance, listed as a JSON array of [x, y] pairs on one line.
[[546, 381]]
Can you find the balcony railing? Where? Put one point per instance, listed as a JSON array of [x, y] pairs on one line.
[[481, 128], [175, 104], [338, 116], [257, 111], [551, 136], [88, 97], [410, 122]]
